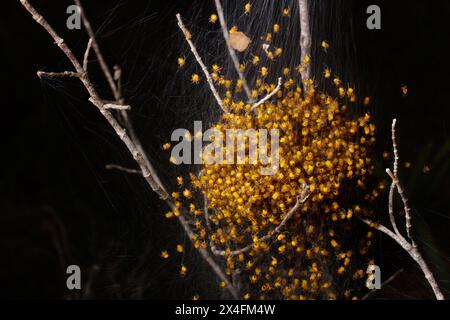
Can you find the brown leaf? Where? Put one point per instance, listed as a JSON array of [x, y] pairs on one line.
[[239, 41]]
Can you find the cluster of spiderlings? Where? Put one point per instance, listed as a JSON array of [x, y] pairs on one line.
[[321, 147], [321, 251]]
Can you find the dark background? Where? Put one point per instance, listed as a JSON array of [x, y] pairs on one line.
[[59, 206]]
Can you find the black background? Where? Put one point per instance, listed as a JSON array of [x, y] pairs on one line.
[[59, 206]]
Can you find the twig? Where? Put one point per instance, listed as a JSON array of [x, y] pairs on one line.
[[149, 176], [385, 283], [392, 188], [187, 36], [300, 200], [385, 230], [116, 91], [98, 53], [305, 38], [270, 95], [65, 74], [406, 207], [413, 252], [86, 54], [120, 168], [391, 207], [233, 55], [116, 106], [396, 184], [408, 246], [394, 146]]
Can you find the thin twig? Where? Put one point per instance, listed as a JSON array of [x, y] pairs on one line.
[[300, 200], [151, 178], [396, 183], [409, 247], [116, 106], [65, 74], [86, 54], [116, 91], [406, 207], [305, 39], [187, 36], [395, 146], [413, 252], [392, 188], [270, 95], [234, 58], [98, 53], [391, 207], [385, 230], [95, 98]]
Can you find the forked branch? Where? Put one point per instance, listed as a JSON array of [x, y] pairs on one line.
[[187, 36], [409, 244], [270, 95]]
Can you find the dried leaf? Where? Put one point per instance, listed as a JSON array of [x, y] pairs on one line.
[[239, 41]]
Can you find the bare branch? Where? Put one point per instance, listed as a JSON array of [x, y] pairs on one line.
[[116, 90], [385, 230], [86, 54], [391, 207], [406, 207], [149, 176], [392, 188], [116, 106], [233, 55], [394, 146], [206, 255], [187, 36], [120, 168], [270, 95], [98, 53], [409, 247]]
